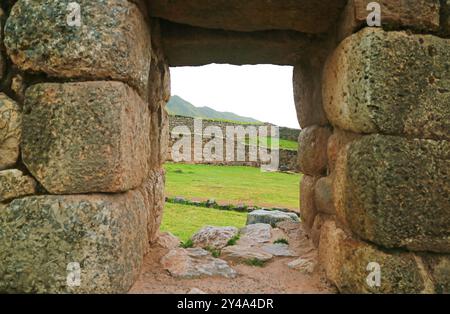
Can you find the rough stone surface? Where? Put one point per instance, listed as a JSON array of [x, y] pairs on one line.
[[439, 267], [338, 140], [214, 237], [304, 265], [390, 82], [271, 217], [2, 57], [251, 15], [307, 82], [420, 15], [219, 46], [41, 235], [446, 20], [323, 196], [346, 260], [308, 210], [14, 184], [153, 192], [244, 253], [167, 240], [10, 131], [195, 263], [258, 233], [113, 41], [396, 192], [312, 152], [316, 229], [86, 137], [278, 249]]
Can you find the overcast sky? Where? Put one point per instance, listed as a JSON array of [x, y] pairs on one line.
[[262, 92]]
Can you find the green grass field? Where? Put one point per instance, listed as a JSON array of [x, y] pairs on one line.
[[233, 185], [183, 220], [282, 144]]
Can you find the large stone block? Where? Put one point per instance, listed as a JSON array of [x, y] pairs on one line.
[[312, 150], [45, 240], [220, 46], [153, 192], [439, 268], [112, 42], [323, 196], [446, 19], [252, 15], [86, 137], [2, 58], [390, 82], [10, 131], [14, 184], [307, 81], [338, 140], [308, 210], [159, 137], [420, 15], [395, 192], [346, 262]]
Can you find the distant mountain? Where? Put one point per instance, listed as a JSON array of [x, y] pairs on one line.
[[179, 106]]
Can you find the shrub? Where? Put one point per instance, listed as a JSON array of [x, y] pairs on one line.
[[188, 244], [233, 240], [255, 262], [281, 241]]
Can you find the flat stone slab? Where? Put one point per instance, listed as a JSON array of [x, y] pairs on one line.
[[214, 237], [195, 263], [270, 217], [278, 249], [245, 253], [303, 265], [259, 232]]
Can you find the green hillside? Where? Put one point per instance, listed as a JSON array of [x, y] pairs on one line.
[[181, 107]]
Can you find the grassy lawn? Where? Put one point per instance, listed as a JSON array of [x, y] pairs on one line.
[[183, 220], [233, 185], [282, 144]]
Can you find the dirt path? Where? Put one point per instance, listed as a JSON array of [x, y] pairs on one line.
[[274, 277]]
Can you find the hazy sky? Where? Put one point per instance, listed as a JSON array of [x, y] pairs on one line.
[[262, 92]]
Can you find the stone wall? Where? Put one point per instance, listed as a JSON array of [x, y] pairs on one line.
[[287, 158], [376, 151], [84, 133], [82, 114]]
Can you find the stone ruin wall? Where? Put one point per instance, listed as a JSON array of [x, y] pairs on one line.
[[287, 158], [85, 183]]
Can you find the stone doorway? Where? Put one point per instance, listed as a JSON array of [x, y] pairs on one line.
[[82, 185]]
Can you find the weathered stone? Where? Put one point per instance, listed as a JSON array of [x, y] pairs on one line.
[[2, 58], [167, 240], [338, 140], [86, 137], [346, 261], [395, 192], [159, 137], [113, 41], [196, 291], [312, 151], [10, 131], [14, 184], [219, 46], [269, 217], [446, 19], [307, 82], [315, 231], [244, 253], [390, 82], [258, 233], [303, 265], [251, 15], [41, 235], [214, 237], [278, 249], [439, 267], [419, 15], [308, 209], [323, 196], [195, 263], [153, 192]]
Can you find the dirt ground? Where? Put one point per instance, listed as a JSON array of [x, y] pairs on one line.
[[275, 277]]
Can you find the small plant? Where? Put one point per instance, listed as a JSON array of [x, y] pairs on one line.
[[255, 262], [188, 244], [214, 252], [281, 241], [233, 240]]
